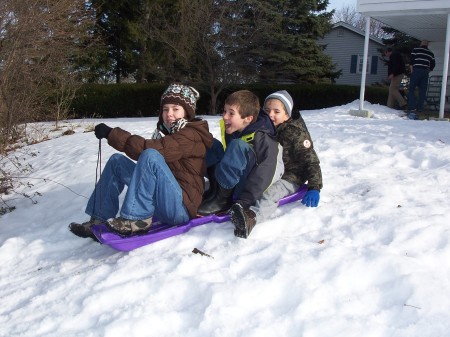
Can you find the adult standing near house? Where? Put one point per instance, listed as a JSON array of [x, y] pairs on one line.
[[396, 72], [421, 63]]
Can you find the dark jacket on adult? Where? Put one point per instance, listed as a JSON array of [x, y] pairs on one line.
[[184, 153], [301, 163], [396, 65], [261, 135]]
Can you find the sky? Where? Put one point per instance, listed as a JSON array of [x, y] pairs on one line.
[[372, 260], [338, 4]]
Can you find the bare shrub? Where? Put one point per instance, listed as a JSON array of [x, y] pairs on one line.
[[40, 41]]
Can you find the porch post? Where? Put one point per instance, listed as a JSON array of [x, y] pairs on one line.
[[445, 71], [364, 69]]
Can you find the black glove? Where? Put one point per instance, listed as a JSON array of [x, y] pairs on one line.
[[102, 130]]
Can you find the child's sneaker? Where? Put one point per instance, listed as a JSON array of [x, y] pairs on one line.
[[243, 220], [127, 227], [83, 230]]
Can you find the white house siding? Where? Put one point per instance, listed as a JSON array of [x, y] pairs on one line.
[[438, 50], [341, 44]]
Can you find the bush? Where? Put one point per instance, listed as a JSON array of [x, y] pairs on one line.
[[138, 100], [117, 100], [319, 96]]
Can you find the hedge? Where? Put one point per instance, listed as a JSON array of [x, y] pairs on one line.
[[138, 100]]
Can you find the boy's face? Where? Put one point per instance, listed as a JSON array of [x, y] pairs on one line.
[[172, 112], [233, 120], [276, 111]]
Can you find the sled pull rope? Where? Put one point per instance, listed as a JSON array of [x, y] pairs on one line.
[[98, 171]]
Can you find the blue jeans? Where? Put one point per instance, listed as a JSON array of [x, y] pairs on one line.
[[214, 154], [237, 162], [419, 78], [152, 190]]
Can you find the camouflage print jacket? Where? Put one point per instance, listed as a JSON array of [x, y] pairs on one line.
[[301, 163]]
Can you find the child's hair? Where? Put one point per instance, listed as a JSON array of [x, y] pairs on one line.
[[247, 102]]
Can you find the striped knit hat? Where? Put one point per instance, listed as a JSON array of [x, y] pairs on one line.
[[181, 95], [285, 98]]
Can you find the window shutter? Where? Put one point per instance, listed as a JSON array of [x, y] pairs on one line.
[[374, 66], [353, 63]]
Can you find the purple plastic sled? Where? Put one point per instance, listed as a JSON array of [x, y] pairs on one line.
[[160, 231]]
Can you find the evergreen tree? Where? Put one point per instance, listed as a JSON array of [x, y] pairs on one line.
[[400, 42], [118, 24], [156, 61], [215, 43], [290, 53], [206, 43]]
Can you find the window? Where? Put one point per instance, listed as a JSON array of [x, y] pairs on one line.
[[356, 64], [360, 64]]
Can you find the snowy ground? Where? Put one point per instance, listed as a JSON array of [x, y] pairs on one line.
[[372, 260]]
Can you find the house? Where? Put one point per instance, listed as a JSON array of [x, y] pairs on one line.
[[422, 19], [345, 45]]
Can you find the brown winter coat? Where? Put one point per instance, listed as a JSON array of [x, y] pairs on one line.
[[184, 153]]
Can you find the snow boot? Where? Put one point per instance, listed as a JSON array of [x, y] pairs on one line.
[[213, 185], [413, 115], [127, 227], [83, 230], [220, 202], [244, 220]]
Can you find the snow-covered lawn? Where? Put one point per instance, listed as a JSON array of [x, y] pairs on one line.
[[371, 260]]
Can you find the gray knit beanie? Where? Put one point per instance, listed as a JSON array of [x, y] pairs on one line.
[[285, 98]]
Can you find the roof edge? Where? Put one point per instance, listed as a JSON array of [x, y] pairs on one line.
[[356, 30]]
